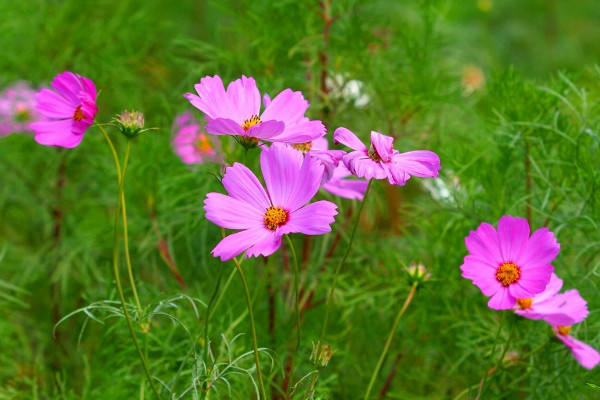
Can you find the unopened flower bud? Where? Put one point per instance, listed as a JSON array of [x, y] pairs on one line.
[[321, 354], [418, 273], [130, 123]]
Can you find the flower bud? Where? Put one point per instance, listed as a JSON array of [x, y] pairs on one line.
[[418, 273], [321, 354], [131, 123]]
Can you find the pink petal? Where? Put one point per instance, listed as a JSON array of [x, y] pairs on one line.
[[330, 160], [56, 133], [421, 163], [552, 288], [586, 355], [535, 279], [305, 131], [224, 126], [244, 97], [395, 174], [362, 166], [68, 85], [519, 291], [287, 106], [513, 233], [383, 145], [213, 100], [312, 219], [52, 105], [502, 300], [231, 213], [484, 243], [243, 185], [541, 249], [236, 243], [266, 130], [268, 244], [347, 138]]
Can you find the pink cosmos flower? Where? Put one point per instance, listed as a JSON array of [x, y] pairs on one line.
[[319, 149], [508, 264], [236, 111], [190, 143], [264, 216], [340, 186], [68, 110], [17, 108], [585, 354], [382, 161], [566, 308]]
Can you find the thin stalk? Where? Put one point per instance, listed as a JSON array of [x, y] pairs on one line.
[[341, 263], [252, 327], [121, 177], [116, 261], [386, 348], [297, 309], [208, 313]]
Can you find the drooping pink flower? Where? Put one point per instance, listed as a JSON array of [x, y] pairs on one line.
[[566, 308], [236, 111], [381, 161], [585, 354], [68, 110], [17, 109], [190, 143], [319, 149], [264, 216], [508, 264]]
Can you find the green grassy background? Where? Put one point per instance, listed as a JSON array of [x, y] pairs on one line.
[[534, 119]]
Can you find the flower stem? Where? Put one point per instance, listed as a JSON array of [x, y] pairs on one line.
[[211, 302], [252, 327], [411, 294], [297, 309], [121, 175], [124, 214], [341, 263]]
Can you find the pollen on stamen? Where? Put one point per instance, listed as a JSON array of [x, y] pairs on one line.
[[374, 155], [524, 304], [508, 273], [250, 122], [78, 116], [303, 147], [275, 217], [564, 330]]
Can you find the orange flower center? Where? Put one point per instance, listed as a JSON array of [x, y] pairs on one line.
[[78, 116], [508, 273], [275, 217], [564, 330], [303, 147], [524, 304], [249, 123], [203, 144]]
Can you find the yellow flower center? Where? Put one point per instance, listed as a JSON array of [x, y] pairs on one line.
[[564, 330], [78, 116], [303, 147], [249, 123], [275, 217], [508, 273], [524, 304]]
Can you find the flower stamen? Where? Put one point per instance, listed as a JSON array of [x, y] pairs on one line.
[[564, 330], [78, 116], [250, 122], [508, 273], [303, 147], [275, 217], [524, 304]]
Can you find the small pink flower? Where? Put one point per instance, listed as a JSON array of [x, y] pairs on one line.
[[566, 308], [292, 179], [319, 149], [508, 264], [68, 110], [17, 109], [381, 161], [585, 354], [190, 143], [236, 111]]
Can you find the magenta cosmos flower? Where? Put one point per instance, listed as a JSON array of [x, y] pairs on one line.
[[585, 354], [341, 184], [68, 110], [17, 108], [381, 161], [566, 308], [508, 264], [264, 216], [190, 143], [236, 111]]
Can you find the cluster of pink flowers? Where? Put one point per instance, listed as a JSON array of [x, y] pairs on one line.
[[191, 144], [17, 109], [514, 270]]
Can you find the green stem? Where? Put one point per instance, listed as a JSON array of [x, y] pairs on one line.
[[411, 294], [341, 263], [297, 309], [124, 215], [252, 327], [116, 264], [208, 312]]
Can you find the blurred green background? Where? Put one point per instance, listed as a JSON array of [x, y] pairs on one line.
[[506, 92]]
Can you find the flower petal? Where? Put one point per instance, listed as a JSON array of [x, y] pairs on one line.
[[56, 133], [243, 185], [244, 97], [52, 105], [421, 163], [383, 145], [513, 233], [236, 243], [542, 248], [302, 132], [231, 213], [347, 138], [362, 166], [224, 126], [483, 242], [502, 300], [287, 106], [266, 130], [312, 219], [213, 100]]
